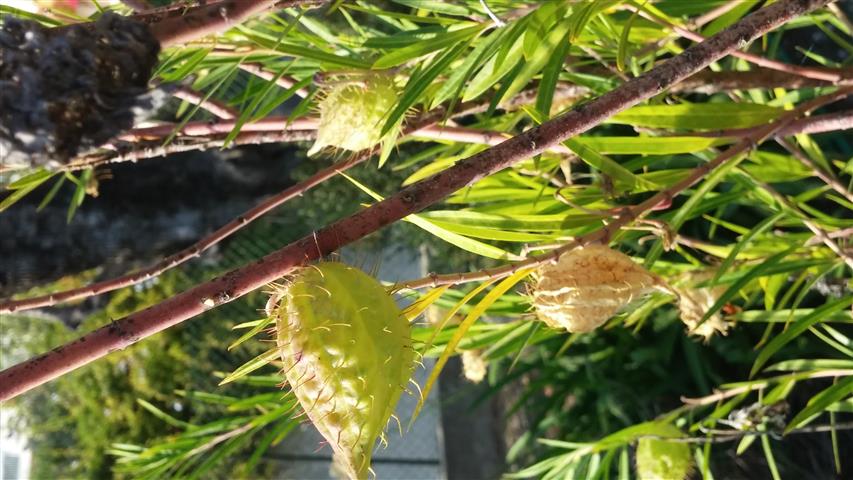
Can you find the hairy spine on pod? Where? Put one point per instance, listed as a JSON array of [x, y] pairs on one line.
[[347, 355], [587, 286]]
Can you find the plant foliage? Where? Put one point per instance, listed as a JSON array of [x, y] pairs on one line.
[[767, 236]]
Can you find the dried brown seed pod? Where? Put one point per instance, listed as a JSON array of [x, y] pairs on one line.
[[587, 286], [694, 302]]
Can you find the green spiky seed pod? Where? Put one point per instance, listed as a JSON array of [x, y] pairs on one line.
[[587, 286], [659, 459], [346, 350], [353, 112]]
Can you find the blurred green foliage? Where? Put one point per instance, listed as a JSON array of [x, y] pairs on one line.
[[589, 398]]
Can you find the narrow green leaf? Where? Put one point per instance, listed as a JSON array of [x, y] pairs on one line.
[[163, 415], [275, 435], [508, 57], [818, 403], [750, 275], [465, 243], [418, 83], [617, 172], [437, 6], [463, 327], [51, 194], [79, 194], [801, 365], [624, 42], [251, 333], [762, 227], [698, 116], [250, 366], [768, 454], [645, 145], [412, 311], [446, 39], [35, 178], [556, 40], [17, 195], [745, 443], [550, 76], [797, 328]]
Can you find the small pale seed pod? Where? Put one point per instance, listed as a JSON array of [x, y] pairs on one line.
[[474, 367], [353, 112], [346, 353], [587, 286], [694, 302]]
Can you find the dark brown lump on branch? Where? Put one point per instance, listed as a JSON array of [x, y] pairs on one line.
[[68, 89]]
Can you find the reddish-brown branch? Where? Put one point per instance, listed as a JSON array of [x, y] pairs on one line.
[[179, 8], [714, 14], [283, 81], [225, 231], [282, 129], [137, 5], [709, 82], [127, 331], [157, 149], [824, 123], [203, 129], [210, 19], [267, 134], [213, 106], [628, 215], [178, 24]]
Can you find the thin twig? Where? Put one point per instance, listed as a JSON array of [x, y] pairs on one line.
[[810, 72], [723, 436], [733, 392], [811, 225], [175, 25], [275, 130], [845, 233], [219, 439], [213, 106], [709, 82], [122, 333], [714, 14], [157, 149], [283, 81], [497, 21], [208, 128], [200, 134], [625, 215], [137, 5], [702, 82], [228, 229], [211, 19], [815, 168], [304, 130]]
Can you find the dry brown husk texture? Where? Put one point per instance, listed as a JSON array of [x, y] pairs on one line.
[[589, 285]]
